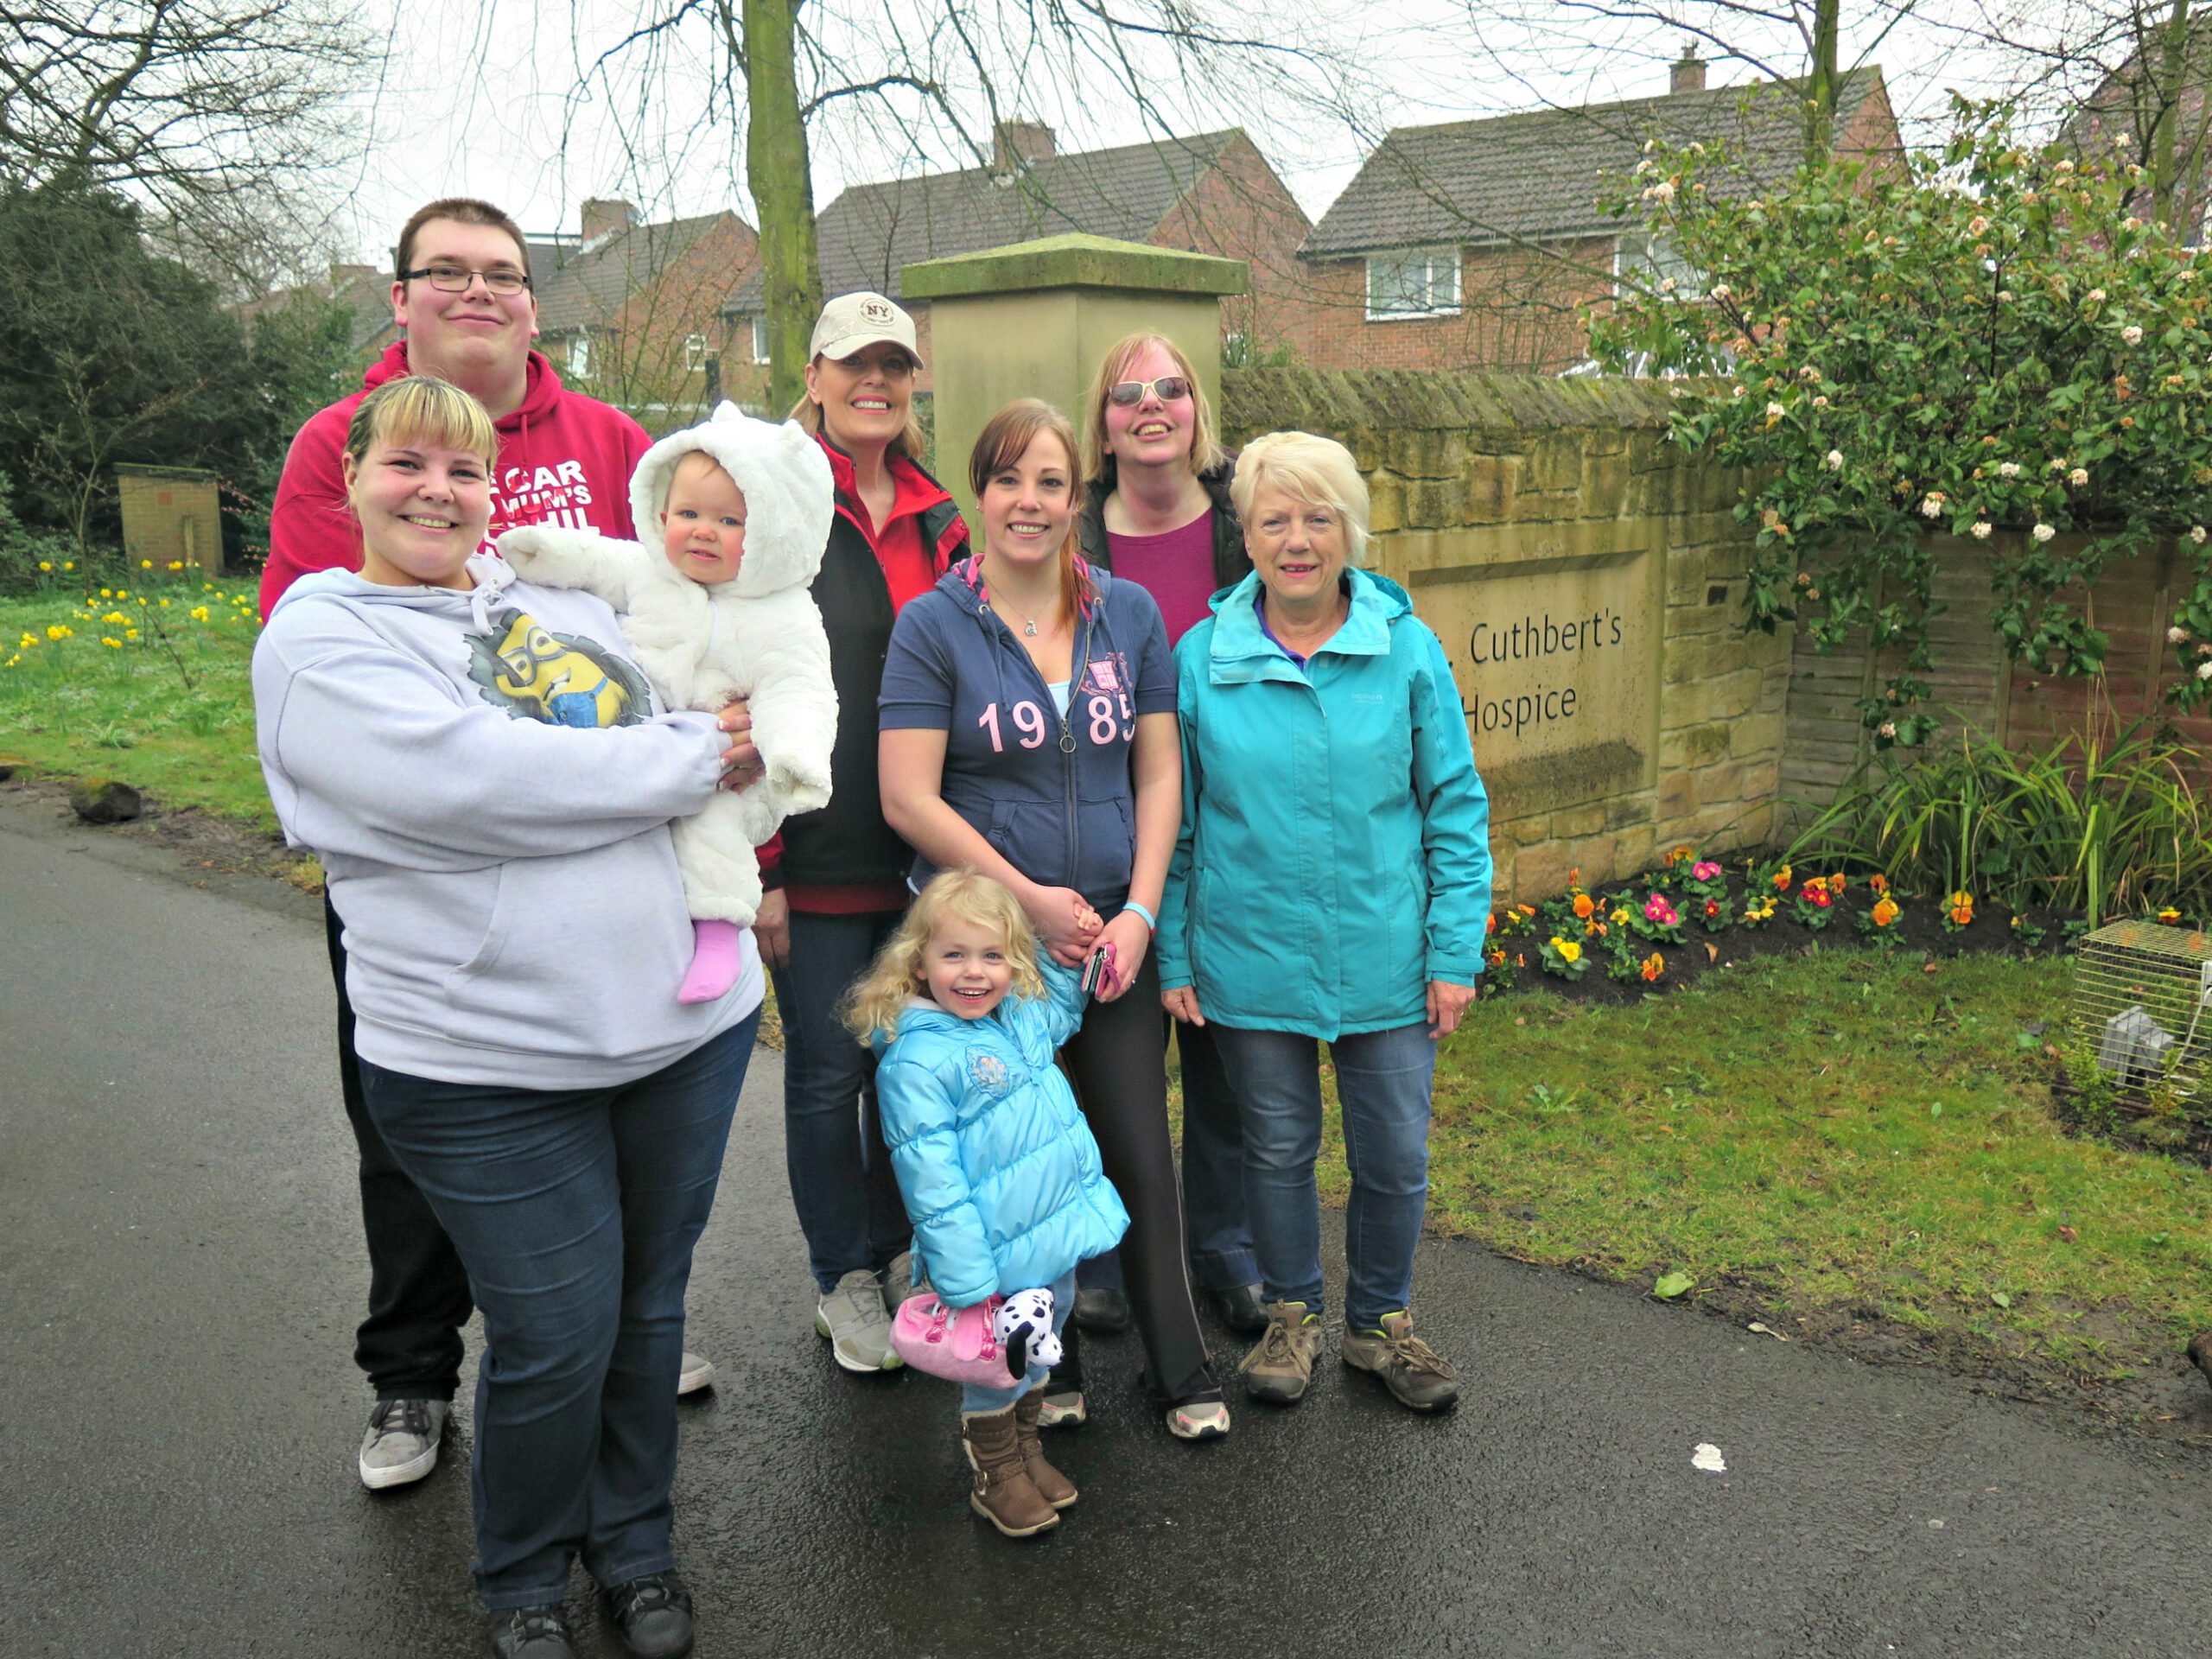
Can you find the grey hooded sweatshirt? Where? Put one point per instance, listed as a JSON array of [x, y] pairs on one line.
[[488, 785]]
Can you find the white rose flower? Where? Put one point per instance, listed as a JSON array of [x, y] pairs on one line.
[[2004, 296], [2043, 532], [1644, 166], [1721, 290], [1976, 225], [2058, 466], [2079, 478], [1933, 506], [1889, 728], [2132, 334], [1835, 460], [1774, 412], [2008, 469], [2097, 294], [1738, 392], [2176, 635], [1662, 191], [1666, 284], [1819, 403], [2131, 223], [2197, 534], [1980, 531], [2204, 670]]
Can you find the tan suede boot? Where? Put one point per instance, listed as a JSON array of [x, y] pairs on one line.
[[1054, 1487], [1004, 1494]]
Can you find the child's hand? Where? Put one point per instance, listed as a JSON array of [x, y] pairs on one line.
[[742, 766], [1066, 921]]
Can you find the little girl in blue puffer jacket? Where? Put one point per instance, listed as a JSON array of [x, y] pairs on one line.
[[1000, 1175]]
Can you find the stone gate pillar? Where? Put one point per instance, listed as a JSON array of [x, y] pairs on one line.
[[1032, 320]]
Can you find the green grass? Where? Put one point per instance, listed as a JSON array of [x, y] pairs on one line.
[[173, 720], [1781, 1131]]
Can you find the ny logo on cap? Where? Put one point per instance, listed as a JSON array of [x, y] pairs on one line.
[[876, 311]]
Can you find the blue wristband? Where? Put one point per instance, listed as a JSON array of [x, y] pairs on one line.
[[1151, 921]]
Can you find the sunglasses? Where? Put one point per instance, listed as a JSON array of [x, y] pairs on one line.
[[1168, 388]]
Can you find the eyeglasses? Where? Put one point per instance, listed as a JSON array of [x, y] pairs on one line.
[[1168, 388], [455, 279]]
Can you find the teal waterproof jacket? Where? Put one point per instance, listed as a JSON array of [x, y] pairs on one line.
[[1335, 850], [1000, 1173]]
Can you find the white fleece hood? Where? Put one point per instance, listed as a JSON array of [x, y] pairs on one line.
[[789, 494]]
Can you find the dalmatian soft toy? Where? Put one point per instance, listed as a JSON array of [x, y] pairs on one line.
[[703, 641], [1024, 1328]]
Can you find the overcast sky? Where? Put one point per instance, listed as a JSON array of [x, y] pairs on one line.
[[486, 97]]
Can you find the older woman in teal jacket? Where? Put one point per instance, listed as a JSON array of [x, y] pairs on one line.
[[1331, 884]]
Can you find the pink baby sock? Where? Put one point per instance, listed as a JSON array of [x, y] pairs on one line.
[[717, 953]]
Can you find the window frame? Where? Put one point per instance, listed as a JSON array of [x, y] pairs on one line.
[[1452, 258], [758, 329], [579, 363]]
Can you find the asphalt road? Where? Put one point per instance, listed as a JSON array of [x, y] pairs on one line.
[[180, 1269]]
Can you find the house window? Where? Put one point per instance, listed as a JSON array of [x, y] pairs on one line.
[[1419, 283], [580, 358], [1653, 263], [695, 353], [760, 339]]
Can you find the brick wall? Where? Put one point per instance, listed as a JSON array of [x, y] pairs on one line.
[[1518, 312], [1521, 480], [1240, 210]]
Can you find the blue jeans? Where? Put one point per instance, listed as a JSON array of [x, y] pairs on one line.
[[975, 1397], [1383, 1081], [575, 1212], [841, 1182]]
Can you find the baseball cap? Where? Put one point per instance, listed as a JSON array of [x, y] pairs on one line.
[[851, 321]]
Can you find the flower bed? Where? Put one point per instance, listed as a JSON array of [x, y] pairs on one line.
[[1693, 915]]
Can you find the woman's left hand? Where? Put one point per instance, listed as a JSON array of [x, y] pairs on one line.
[[1130, 938], [1446, 1003], [742, 766]]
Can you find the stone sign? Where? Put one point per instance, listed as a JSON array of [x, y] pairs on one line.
[[1557, 660]]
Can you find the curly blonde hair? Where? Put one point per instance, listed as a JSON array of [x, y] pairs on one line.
[[878, 997]]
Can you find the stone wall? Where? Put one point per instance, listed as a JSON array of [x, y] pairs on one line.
[[1586, 580]]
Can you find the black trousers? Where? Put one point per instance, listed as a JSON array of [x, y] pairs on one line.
[[419, 1298], [1119, 1063]]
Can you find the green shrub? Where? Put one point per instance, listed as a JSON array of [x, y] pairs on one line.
[[2092, 825]]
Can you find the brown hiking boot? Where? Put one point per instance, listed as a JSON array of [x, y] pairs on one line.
[[1055, 1488], [1004, 1494], [1281, 1363], [1416, 1375]]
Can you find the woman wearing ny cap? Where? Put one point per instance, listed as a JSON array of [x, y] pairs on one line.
[[893, 533]]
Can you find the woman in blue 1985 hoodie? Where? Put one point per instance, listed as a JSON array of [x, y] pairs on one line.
[[1029, 733]]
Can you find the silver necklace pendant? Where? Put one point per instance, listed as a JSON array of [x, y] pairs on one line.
[[1031, 630]]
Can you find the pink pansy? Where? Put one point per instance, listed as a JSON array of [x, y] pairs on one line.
[[1705, 870], [1656, 909]]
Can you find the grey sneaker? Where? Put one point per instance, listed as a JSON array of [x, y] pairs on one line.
[[697, 1372], [1416, 1375], [901, 1281], [852, 1317], [402, 1443], [1281, 1363]]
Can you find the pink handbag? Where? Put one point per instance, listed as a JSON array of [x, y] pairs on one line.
[[957, 1343]]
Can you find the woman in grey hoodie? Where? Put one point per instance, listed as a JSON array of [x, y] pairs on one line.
[[481, 770]]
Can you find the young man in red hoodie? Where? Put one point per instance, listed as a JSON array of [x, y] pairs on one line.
[[462, 293]]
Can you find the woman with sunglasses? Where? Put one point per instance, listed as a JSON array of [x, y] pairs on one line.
[[1158, 513]]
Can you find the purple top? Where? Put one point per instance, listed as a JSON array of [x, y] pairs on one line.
[[1176, 567], [1259, 604]]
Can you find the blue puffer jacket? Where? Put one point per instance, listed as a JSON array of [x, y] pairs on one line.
[[1335, 850], [998, 1170]]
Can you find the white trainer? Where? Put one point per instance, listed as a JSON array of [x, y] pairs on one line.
[[698, 1371], [402, 1442], [900, 1280], [853, 1317]]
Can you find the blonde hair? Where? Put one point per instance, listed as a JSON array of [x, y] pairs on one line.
[[908, 443], [878, 997], [1319, 471], [423, 409], [1206, 442], [1005, 439]]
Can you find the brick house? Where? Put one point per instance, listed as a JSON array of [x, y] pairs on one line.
[[1211, 193], [633, 314], [1472, 245], [2117, 123]]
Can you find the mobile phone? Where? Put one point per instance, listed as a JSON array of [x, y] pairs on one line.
[[1098, 970]]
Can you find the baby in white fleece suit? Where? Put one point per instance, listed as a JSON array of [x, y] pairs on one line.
[[721, 610]]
